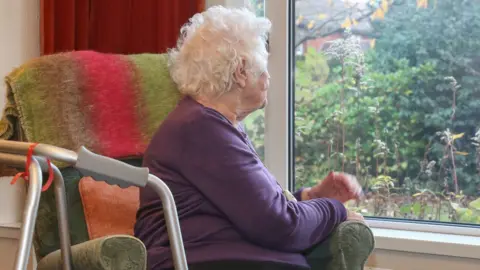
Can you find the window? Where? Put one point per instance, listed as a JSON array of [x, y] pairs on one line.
[[387, 91], [258, 6], [255, 123]]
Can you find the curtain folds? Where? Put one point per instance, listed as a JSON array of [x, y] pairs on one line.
[[113, 26]]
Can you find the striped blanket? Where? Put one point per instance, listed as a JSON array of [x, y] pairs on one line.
[[112, 104]]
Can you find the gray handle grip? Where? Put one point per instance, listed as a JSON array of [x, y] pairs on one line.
[[110, 170]]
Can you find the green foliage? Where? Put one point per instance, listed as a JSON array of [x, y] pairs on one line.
[[256, 129], [378, 122], [445, 36]]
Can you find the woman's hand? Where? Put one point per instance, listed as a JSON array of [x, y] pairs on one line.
[[355, 216], [339, 186]]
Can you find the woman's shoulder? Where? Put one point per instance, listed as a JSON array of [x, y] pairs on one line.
[[192, 119]]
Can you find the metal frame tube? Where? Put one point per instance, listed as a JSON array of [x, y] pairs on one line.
[[29, 215], [17, 161], [54, 153], [62, 219], [60, 198], [171, 220], [62, 212], [49, 151]]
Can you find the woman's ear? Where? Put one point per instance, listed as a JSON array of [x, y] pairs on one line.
[[267, 43], [240, 75]]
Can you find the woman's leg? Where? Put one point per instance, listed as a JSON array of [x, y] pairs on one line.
[[242, 265], [319, 257]]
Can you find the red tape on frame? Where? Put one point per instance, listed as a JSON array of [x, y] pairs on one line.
[[25, 174]]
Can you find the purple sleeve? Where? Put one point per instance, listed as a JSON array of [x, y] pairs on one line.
[[236, 182]]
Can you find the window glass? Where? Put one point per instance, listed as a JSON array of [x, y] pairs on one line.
[[258, 6], [389, 91], [254, 123]]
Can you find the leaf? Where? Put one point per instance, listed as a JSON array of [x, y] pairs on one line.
[[384, 6], [422, 3], [311, 24], [299, 20], [322, 16], [347, 23], [455, 206], [379, 14], [475, 204], [457, 136], [416, 208], [466, 215], [405, 209]]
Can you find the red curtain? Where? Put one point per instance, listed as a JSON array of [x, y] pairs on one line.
[[113, 26]]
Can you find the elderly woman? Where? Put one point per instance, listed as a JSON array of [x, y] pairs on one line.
[[232, 211]]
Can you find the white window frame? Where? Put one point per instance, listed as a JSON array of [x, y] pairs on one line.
[[446, 240], [276, 137]]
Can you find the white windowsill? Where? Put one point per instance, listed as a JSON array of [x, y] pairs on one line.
[[11, 231], [442, 244]]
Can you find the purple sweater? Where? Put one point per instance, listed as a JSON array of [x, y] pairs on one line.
[[229, 205]]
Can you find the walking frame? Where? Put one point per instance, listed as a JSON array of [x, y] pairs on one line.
[[100, 168]]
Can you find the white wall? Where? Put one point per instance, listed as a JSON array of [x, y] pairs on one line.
[[19, 36], [19, 42]]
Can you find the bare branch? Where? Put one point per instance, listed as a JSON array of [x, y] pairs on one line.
[[318, 30]]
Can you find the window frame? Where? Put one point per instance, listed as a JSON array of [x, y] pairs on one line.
[[278, 119], [399, 235]]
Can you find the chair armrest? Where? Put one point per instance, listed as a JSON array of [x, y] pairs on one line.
[[110, 252], [347, 248]]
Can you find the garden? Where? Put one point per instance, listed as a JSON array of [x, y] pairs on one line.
[[402, 115]]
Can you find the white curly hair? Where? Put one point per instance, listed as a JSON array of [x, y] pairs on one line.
[[212, 45]]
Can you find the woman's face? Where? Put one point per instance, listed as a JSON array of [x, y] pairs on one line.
[[254, 95]]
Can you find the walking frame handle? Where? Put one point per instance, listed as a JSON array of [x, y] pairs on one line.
[[112, 171]]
